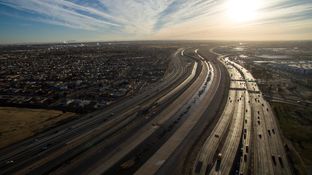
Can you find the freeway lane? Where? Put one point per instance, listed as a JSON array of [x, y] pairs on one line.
[[30, 143], [232, 141], [223, 164], [181, 159], [179, 87], [245, 160], [99, 154], [93, 155], [157, 131], [268, 152], [172, 115], [58, 137], [208, 152], [246, 141], [273, 157], [172, 156], [195, 112]]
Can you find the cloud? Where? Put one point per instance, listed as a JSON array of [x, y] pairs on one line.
[[161, 18], [273, 18], [63, 13]]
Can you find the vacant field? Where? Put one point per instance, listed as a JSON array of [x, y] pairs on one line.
[[296, 123], [19, 123]]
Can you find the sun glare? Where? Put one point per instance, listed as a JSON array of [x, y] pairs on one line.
[[242, 10]]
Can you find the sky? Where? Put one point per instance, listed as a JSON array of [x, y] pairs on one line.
[[26, 21]]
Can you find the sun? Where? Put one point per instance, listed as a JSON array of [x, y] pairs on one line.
[[242, 10]]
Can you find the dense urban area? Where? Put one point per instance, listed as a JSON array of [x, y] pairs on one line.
[[77, 77], [156, 107]]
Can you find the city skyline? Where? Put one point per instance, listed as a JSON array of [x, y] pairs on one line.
[[108, 20]]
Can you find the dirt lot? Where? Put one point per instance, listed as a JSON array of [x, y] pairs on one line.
[[19, 123]]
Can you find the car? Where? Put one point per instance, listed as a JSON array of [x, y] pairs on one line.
[[280, 161], [245, 157], [198, 166], [273, 159], [9, 162], [218, 165], [219, 157], [44, 148]]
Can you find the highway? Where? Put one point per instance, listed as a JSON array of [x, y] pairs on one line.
[[195, 112], [212, 144], [205, 116], [172, 156], [246, 138], [274, 157], [233, 137], [181, 157], [111, 141], [39, 154], [171, 119]]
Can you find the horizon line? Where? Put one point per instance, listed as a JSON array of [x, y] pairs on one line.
[[140, 40]]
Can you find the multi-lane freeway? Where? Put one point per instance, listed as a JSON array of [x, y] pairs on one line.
[[206, 115], [246, 138]]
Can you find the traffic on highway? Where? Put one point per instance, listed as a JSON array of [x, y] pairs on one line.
[[246, 139], [205, 116]]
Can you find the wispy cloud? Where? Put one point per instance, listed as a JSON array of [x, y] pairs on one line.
[[159, 18], [63, 13]]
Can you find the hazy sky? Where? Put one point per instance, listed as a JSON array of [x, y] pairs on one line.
[[100, 20]]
